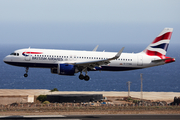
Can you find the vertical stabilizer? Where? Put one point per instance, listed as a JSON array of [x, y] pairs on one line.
[[160, 44]]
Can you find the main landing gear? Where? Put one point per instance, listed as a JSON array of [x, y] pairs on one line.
[[25, 75], [86, 77]]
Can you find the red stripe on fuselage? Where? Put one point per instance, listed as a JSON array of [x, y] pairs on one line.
[[166, 36], [32, 52]]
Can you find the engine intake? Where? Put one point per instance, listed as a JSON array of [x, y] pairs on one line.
[[66, 69]]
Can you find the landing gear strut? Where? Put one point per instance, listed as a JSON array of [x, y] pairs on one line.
[[25, 75], [86, 77]]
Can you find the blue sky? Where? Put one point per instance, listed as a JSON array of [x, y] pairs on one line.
[[87, 21]]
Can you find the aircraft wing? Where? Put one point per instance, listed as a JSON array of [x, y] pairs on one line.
[[92, 64]]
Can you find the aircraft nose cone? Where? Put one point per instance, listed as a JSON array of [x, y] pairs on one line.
[[6, 59]]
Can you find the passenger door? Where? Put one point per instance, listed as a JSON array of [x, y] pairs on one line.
[[140, 60], [27, 56]]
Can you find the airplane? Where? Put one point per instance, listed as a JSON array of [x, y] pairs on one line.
[[69, 62]]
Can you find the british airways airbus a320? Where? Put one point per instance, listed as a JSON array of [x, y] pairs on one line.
[[69, 62]]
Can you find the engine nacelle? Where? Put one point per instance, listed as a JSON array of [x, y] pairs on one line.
[[66, 69]]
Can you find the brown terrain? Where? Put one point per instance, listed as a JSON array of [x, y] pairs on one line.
[[114, 103]]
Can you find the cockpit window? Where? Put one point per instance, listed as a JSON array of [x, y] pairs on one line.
[[15, 54]]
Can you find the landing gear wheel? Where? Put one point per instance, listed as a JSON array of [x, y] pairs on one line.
[[81, 76], [86, 78], [25, 75]]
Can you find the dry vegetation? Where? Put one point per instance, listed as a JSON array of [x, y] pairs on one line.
[[113, 106]]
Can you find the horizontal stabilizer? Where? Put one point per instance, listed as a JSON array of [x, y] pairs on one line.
[[166, 60]]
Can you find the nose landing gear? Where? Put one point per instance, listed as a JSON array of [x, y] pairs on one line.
[[25, 75]]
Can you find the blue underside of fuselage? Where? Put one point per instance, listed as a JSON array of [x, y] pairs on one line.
[[46, 65]]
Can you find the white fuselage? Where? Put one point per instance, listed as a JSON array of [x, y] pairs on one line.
[[49, 58]]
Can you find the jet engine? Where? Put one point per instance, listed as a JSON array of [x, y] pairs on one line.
[[64, 69]]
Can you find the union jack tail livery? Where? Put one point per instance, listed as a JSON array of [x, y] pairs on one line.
[[160, 45]]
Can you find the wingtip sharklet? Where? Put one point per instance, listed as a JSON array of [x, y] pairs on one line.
[[119, 53], [96, 48]]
